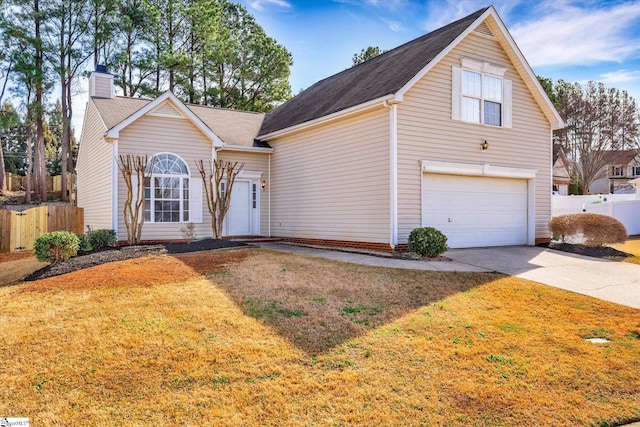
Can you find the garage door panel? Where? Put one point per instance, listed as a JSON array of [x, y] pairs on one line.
[[476, 211]]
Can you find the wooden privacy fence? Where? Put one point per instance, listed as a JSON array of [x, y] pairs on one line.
[[19, 230], [54, 183]]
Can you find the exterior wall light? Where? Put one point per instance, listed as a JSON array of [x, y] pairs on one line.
[[484, 145], [263, 184]]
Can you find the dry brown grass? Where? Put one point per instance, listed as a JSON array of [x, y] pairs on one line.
[[15, 266], [631, 246], [175, 347], [317, 306], [15, 256]]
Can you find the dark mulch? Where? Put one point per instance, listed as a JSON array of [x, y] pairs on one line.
[[105, 255], [604, 252]]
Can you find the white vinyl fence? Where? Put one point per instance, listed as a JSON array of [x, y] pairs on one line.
[[624, 207]]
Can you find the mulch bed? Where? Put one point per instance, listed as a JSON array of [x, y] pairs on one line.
[[604, 252], [109, 254]]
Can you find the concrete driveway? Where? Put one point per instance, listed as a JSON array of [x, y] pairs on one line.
[[613, 281]]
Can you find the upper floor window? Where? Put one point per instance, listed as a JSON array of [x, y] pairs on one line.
[[481, 98], [617, 171], [481, 94], [636, 171], [166, 193]]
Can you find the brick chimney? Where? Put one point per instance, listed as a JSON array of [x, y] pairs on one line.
[[101, 83]]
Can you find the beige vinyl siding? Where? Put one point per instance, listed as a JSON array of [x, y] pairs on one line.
[[95, 172], [254, 162], [427, 132], [103, 86], [332, 182], [151, 135]]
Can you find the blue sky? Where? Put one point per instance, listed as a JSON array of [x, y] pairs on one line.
[[569, 40]]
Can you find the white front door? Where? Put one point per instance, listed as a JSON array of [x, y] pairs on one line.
[[239, 217], [476, 211]]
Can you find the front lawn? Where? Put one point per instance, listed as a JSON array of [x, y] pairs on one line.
[[631, 246], [254, 337]]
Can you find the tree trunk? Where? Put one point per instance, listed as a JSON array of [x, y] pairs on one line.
[[65, 139], [221, 171], [41, 173], [29, 171], [3, 185]]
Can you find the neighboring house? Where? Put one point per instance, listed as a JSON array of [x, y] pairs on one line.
[[450, 130], [622, 167], [561, 176]]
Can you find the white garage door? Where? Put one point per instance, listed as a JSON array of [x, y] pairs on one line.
[[476, 211]]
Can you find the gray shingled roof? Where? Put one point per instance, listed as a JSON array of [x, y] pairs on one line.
[[373, 79]]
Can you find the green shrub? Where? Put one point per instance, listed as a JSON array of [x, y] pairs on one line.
[[56, 246], [427, 242], [101, 238], [597, 230], [84, 245]]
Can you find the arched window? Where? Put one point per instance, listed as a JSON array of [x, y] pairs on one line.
[[166, 193]]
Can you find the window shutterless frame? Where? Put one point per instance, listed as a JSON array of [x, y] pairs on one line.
[[481, 94], [166, 192]]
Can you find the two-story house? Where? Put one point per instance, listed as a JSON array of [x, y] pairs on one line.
[[450, 130], [622, 166]]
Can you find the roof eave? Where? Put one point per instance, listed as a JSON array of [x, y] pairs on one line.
[[378, 102], [444, 52], [550, 111]]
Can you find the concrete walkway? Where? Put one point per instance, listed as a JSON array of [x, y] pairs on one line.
[[612, 281], [372, 258]]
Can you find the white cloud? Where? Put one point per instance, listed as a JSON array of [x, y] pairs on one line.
[[570, 35], [444, 12], [620, 76], [261, 4], [393, 25]]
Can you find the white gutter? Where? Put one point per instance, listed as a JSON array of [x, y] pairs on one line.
[[321, 120], [393, 171], [245, 149]]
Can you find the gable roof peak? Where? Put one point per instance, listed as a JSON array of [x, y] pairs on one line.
[[376, 78], [231, 127], [114, 131], [391, 74]]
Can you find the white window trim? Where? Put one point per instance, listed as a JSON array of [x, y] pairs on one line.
[[152, 199], [484, 68]]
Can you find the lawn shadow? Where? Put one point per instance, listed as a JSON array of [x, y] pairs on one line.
[[317, 304]]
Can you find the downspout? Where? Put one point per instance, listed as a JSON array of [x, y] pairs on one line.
[[269, 195], [393, 171], [115, 171]]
